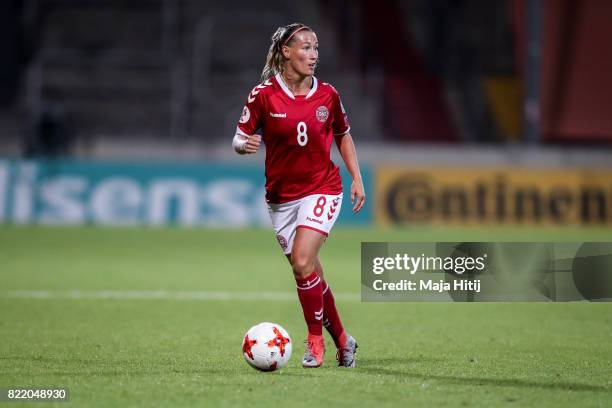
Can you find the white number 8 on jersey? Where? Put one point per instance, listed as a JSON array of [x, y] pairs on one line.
[[302, 136]]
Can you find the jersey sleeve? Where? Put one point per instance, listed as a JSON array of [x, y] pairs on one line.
[[340, 123], [251, 117]]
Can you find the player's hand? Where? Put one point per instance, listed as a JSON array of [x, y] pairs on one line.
[[357, 195], [252, 144]]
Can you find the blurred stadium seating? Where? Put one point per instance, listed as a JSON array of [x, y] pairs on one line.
[[155, 71]]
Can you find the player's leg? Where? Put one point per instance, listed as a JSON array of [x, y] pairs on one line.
[[318, 213], [284, 219], [306, 245], [331, 317], [346, 344]]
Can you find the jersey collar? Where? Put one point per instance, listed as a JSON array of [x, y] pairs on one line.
[[285, 88]]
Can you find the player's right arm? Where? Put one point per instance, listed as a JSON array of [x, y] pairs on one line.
[[245, 144], [245, 140]]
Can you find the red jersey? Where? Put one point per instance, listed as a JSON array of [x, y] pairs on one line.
[[298, 133]]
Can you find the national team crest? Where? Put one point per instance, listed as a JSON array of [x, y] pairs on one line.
[[322, 113], [246, 115], [282, 241]]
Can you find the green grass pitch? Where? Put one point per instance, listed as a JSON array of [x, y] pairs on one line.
[[186, 352]]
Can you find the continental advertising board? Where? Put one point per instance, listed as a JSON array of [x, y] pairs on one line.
[[121, 193], [504, 196]]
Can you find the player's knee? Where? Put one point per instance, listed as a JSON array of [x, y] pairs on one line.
[[302, 265]]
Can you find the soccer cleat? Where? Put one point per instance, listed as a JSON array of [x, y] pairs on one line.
[[315, 350], [346, 354]]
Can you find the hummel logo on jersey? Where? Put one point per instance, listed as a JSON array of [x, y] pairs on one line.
[[314, 220], [319, 314], [278, 115]]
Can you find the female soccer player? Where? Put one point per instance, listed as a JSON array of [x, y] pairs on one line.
[[299, 117]]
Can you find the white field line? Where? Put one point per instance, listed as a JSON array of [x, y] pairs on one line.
[[159, 295]]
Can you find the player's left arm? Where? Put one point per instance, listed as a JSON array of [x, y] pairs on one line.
[[349, 156]]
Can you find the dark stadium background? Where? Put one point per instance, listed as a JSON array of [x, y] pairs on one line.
[[133, 238], [432, 88]]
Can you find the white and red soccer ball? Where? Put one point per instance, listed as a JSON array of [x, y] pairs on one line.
[[266, 346]]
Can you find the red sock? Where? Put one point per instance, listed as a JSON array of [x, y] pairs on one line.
[[310, 293], [331, 318]]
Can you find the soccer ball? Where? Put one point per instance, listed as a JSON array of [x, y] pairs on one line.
[[266, 346]]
